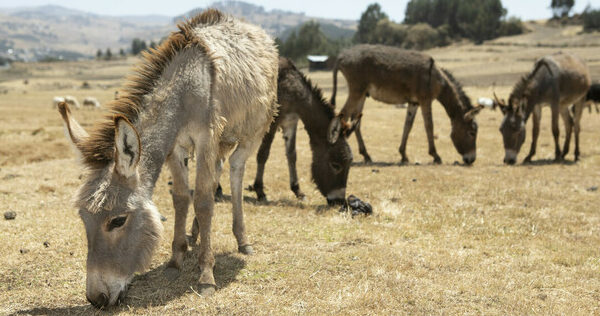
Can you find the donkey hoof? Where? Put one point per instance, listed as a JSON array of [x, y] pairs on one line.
[[171, 273], [301, 197], [247, 250], [437, 161], [206, 289]]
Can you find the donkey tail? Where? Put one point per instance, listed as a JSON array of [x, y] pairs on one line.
[[335, 71], [431, 64]]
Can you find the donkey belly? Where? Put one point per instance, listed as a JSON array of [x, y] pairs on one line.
[[388, 95]]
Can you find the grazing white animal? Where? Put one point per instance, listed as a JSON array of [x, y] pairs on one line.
[[486, 102], [91, 101], [56, 101], [72, 101]]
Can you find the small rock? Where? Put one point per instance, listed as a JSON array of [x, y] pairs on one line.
[[356, 206], [162, 218], [37, 131], [456, 163], [542, 296], [46, 244], [417, 163], [375, 170], [71, 253], [592, 188], [10, 215], [414, 180], [23, 250]]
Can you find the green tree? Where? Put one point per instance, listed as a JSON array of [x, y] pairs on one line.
[[591, 19], [561, 8], [108, 54], [99, 54], [152, 45], [137, 46], [122, 52], [368, 23]]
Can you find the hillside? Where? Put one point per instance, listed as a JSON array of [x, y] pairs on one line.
[[33, 33]]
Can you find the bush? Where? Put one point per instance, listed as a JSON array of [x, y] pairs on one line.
[[591, 20], [423, 36], [512, 26]]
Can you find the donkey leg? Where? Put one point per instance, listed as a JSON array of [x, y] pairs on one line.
[[289, 136], [261, 160], [181, 201], [361, 143], [568, 122], [237, 161], [555, 131], [577, 124], [428, 120], [411, 112], [537, 115], [204, 202]]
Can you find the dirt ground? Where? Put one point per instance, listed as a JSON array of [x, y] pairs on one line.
[[444, 239]]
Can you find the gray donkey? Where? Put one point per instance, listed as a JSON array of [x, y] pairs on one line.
[[559, 80], [211, 86], [395, 76]]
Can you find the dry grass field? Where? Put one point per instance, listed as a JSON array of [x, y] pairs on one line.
[[444, 239]]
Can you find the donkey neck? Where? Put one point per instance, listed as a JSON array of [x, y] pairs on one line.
[[450, 100], [316, 116]]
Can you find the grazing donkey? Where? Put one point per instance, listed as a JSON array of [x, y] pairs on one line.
[[299, 99], [393, 75], [211, 85], [559, 80], [593, 96]]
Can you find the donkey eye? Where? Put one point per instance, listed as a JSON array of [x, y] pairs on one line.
[[117, 222], [336, 167]]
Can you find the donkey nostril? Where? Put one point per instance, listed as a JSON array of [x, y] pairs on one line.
[[100, 301]]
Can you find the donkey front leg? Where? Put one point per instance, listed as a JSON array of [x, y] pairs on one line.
[[204, 207], [568, 122], [411, 112], [537, 116], [289, 135], [428, 120], [361, 143], [237, 161], [261, 159], [181, 201], [577, 124], [556, 131]]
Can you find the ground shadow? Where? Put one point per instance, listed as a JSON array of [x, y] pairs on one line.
[[154, 289], [546, 162], [402, 164]]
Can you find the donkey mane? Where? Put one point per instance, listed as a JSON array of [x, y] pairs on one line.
[[317, 93], [520, 88], [465, 101], [98, 150]]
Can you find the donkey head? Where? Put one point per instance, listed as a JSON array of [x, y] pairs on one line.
[[330, 168], [340, 127], [122, 224], [464, 135], [512, 127]]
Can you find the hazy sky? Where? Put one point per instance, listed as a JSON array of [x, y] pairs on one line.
[[343, 9]]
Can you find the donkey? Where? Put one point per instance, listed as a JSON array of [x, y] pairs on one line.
[[211, 85], [299, 99], [593, 96], [394, 76], [559, 80]]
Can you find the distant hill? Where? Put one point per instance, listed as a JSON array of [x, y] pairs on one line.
[[277, 22], [34, 33]]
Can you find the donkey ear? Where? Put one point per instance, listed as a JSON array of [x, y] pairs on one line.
[[75, 132], [334, 130], [127, 147], [470, 115]]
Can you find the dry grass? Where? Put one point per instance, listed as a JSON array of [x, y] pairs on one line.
[[448, 239]]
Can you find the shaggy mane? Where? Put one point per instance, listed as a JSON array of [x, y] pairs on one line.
[[98, 150], [464, 99], [317, 93]]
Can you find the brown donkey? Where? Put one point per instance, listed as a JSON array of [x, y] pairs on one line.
[[393, 75], [559, 80], [299, 99], [211, 86]]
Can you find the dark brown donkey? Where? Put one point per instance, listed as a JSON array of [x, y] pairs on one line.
[[559, 80], [299, 99], [393, 75]]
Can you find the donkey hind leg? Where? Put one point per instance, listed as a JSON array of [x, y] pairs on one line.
[[218, 198], [411, 112], [577, 123], [289, 136], [361, 143], [181, 200], [428, 120], [568, 122], [535, 132], [555, 131], [261, 160]]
